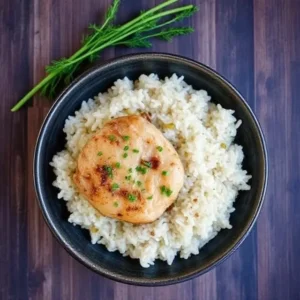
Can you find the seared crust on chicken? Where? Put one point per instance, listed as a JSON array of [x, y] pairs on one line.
[[129, 171]]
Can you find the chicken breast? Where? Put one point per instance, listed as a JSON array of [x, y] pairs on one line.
[[129, 171]]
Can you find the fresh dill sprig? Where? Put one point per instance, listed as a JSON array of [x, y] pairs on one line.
[[109, 18], [169, 34], [137, 41], [111, 13], [135, 33], [140, 41]]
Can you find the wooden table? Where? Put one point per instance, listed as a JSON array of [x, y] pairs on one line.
[[253, 43]]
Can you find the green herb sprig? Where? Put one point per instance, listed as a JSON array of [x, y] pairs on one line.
[[135, 33]]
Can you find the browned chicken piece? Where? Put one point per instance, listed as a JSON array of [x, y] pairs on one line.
[[129, 171]]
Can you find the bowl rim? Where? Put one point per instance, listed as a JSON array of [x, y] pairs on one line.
[[85, 260]]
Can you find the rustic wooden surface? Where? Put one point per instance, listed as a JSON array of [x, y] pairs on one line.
[[255, 44]]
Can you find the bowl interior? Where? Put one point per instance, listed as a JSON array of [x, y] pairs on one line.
[[77, 240]]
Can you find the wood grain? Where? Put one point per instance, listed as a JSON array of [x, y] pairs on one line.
[[276, 65], [253, 43], [235, 42]]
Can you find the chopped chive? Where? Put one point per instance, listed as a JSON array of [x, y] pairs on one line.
[[126, 137], [116, 204], [139, 183], [150, 197], [115, 186], [165, 173], [126, 148], [141, 170], [147, 164], [99, 153], [169, 192], [159, 148], [108, 170], [143, 190], [111, 137], [130, 170], [131, 197], [125, 155], [128, 177], [165, 191], [118, 165], [135, 151]]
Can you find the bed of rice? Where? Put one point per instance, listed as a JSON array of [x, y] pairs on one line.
[[203, 135]]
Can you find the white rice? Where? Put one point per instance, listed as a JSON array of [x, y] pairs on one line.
[[203, 135]]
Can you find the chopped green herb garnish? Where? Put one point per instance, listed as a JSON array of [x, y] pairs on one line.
[[128, 177], [150, 197], [147, 164], [125, 155], [116, 204], [165, 173], [143, 190], [169, 192], [139, 183], [131, 197], [99, 153], [159, 148], [115, 187], [165, 191], [126, 137], [130, 170], [141, 169], [126, 148], [118, 165], [135, 151], [108, 170], [111, 137]]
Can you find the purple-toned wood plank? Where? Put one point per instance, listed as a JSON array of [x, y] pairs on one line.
[[254, 43]]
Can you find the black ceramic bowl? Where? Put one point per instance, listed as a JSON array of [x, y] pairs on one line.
[[77, 241]]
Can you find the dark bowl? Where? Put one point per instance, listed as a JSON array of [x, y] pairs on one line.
[[112, 264]]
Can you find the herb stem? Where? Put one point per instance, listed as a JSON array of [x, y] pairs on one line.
[[109, 18], [146, 13], [132, 31], [38, 87], [123, 27]]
